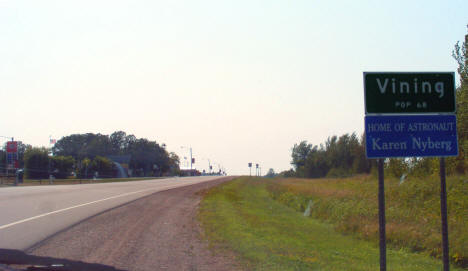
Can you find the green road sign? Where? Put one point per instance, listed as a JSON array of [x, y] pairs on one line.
[[409, 92]]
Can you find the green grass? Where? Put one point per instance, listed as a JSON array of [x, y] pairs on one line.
[[242, 216], [412, 210]]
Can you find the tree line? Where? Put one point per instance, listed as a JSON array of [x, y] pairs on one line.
[[337, 157], [88, 155], [345, 155]]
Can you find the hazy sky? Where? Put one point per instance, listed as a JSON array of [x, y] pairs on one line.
[[238, 81]]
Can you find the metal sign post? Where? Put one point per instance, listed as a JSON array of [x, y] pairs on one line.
[[443, 213], [382, 238], [191, 161]]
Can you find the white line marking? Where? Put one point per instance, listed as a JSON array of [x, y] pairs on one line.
[[76, 206]]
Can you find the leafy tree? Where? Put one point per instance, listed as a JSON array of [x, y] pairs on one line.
[[299, 153], [460, 55], [299, 156], [287, 173], [174, 164], [21, 149], [342, 152], [73, 145], [118, 141], [148, 158], [360, 162], [271, 173], [83, 145], [62, 166], [103, 166], [83, 168], [36, 163], [337, 157], [317, 163], [99, 145]]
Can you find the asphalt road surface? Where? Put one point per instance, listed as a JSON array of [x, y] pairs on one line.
[[156, 232], [31, 214]]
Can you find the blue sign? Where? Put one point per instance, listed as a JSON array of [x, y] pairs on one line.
[[411, 136], [11, 157]]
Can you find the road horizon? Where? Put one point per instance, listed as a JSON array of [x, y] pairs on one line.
[[33, 213]]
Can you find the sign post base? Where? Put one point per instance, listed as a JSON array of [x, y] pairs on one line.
[[382, 235], [443, 215]]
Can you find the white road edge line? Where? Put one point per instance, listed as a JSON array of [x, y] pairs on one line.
[[77, 206]]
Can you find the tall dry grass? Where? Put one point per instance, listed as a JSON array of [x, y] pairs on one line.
[[412, 209]]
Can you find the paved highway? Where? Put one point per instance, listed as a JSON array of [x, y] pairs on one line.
[[31, 214]]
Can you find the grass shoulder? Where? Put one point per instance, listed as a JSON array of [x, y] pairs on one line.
[[412, 209], [243, 216]]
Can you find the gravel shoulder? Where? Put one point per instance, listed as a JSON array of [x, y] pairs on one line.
[[157, 232]]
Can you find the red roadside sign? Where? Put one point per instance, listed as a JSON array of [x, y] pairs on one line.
[[12, 146]]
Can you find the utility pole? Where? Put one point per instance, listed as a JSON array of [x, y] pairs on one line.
[[209, 166], [49, 158], [191, 159]]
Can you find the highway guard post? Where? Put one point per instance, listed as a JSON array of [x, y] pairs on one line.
[[410, 114]]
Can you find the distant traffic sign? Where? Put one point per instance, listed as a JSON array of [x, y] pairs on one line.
[[408, 92], [411, 135]]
